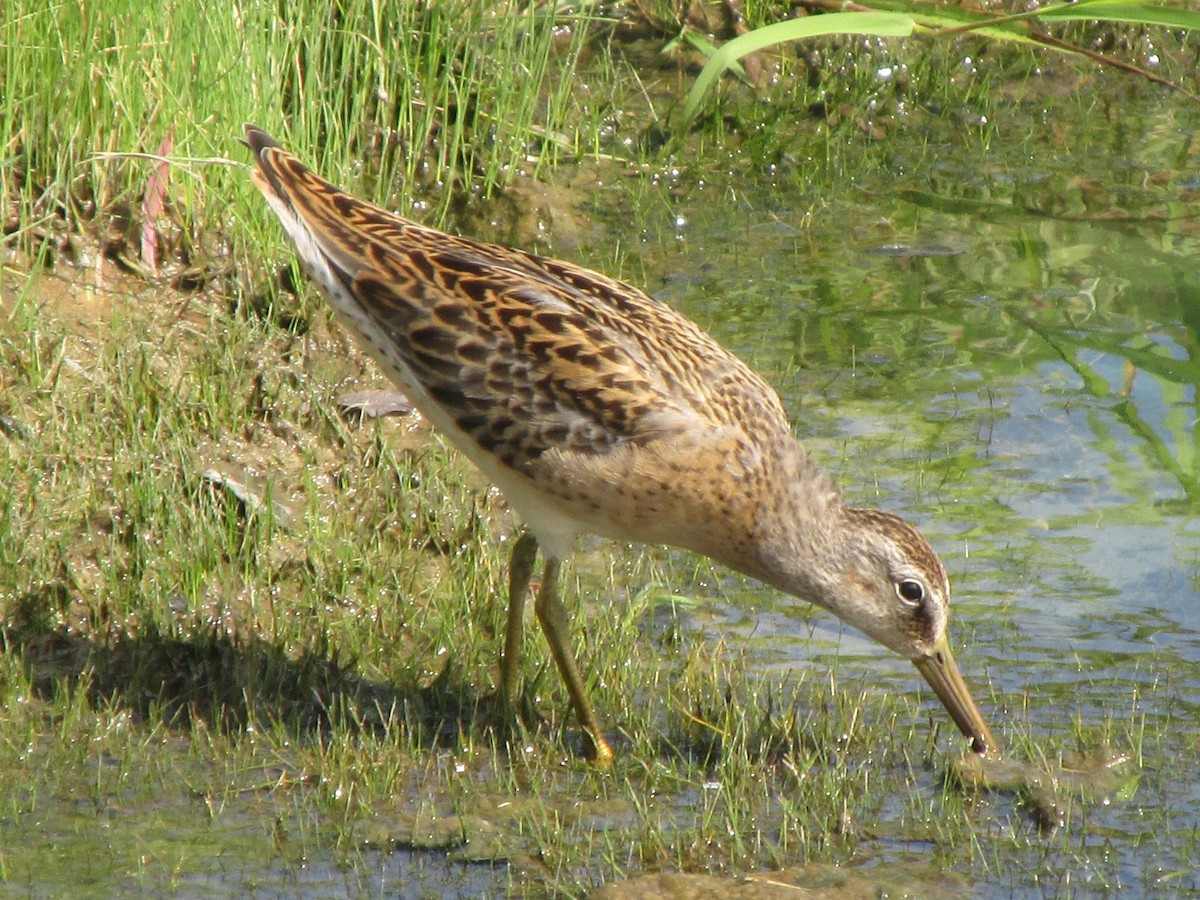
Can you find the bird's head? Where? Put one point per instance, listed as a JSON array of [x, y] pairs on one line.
[[890, 584]]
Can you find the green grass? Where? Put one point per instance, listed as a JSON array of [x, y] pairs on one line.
[[441, 99]]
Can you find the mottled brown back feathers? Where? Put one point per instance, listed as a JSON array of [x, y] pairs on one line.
[[527, 354]]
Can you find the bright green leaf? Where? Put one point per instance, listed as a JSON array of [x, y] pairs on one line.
[[884, 24]]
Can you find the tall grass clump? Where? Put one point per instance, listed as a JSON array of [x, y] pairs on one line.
[[444, 93]]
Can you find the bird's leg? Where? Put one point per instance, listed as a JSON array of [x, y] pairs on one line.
[[520, 571], [554, 620]]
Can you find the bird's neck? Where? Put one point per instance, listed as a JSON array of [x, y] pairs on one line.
[[795, 531]]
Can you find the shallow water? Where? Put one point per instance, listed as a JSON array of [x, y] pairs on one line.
[[1001, 345]]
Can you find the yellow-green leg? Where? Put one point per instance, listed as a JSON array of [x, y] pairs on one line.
[[556, 626], [520, 571]]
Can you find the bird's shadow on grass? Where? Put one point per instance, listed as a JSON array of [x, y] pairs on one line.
[[232, 682]]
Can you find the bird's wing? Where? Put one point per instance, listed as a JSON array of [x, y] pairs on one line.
[[524, 354]]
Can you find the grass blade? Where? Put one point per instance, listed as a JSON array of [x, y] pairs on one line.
[[884, 24]]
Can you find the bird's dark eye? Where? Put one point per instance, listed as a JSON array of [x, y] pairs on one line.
[[910, 591]]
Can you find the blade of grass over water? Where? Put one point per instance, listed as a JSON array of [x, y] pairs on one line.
[[900, 19], [882, 24]]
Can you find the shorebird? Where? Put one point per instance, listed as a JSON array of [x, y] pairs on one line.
[[597, 409]]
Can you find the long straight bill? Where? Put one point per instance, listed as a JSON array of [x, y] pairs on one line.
[[941, 671]]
